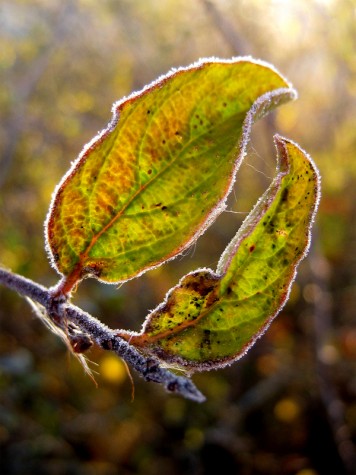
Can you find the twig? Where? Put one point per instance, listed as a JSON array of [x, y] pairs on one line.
[[25, 287], [63, 313]]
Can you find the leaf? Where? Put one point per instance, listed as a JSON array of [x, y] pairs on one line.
[[211, 319], [149, 184]]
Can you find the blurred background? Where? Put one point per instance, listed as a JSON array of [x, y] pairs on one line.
[[287, 407]]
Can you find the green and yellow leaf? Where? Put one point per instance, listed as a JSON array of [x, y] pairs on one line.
[[146, 187], [211, 319]]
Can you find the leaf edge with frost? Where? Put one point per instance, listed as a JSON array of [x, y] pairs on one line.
[[258, 109]]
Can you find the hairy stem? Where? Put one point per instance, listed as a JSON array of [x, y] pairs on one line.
[[107, 339]]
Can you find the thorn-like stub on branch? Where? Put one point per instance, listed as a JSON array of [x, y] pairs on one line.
[[81, 344], [79, 340]]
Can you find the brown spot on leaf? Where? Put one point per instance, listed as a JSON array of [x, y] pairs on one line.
[[203, 284], [284, 196]]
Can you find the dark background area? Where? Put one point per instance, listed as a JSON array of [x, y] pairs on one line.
[[287, 407]]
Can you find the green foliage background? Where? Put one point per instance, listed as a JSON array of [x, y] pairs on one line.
[[62, 65]]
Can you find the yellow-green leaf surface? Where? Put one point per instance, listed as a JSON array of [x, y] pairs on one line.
[[210, 319], [149, 184]]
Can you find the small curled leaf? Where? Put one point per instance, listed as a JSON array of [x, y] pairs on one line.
[[146, 187], [211, 319]]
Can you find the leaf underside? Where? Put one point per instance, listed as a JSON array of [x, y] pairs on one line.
[[156, 178], [211, 319]]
